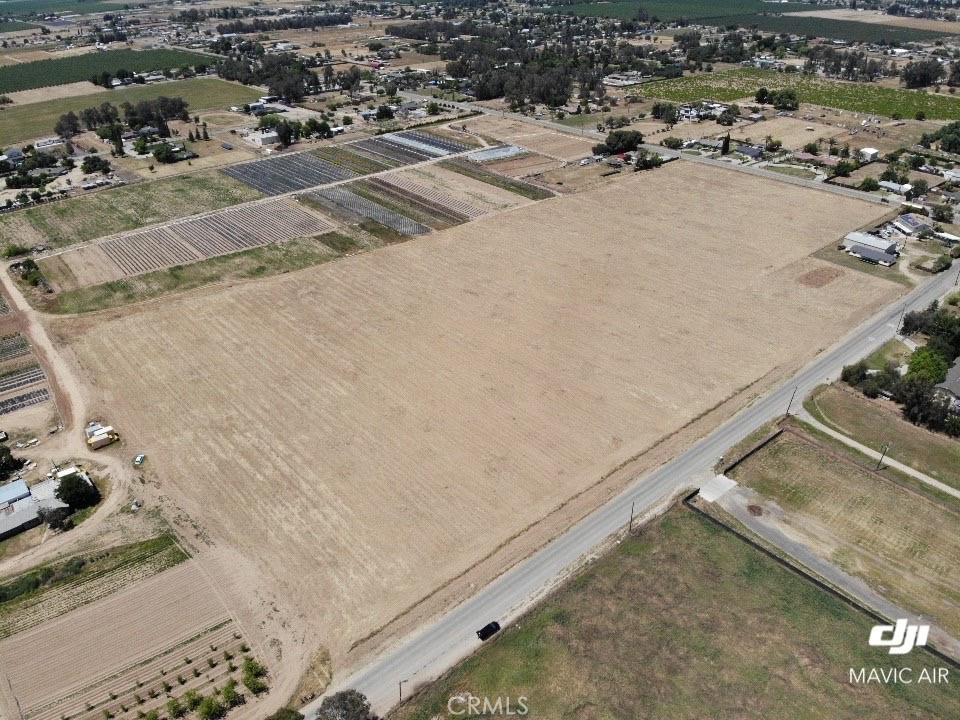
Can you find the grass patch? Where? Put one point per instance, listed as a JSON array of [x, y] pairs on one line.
[[501, 181], [860, 419], [891, 351], [671, 9], [898, 541], [19, 123], [88, 217], [63, 70], [262, 261], [857, 97], [643, 631], [381, 232], [55, 588], [15, 25], [792, 171], [839, 257]]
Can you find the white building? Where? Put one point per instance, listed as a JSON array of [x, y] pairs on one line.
[[868, 154]]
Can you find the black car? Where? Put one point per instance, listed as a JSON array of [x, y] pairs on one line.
[[488, 630]]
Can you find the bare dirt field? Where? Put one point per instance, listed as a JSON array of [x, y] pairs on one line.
[[54, 92], [481, 195], [346, 425], [792, 132], [879, 18], [539, 139], [529, 164]]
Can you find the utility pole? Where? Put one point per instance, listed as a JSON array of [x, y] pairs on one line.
[[631, 517], [400, 687], [903, 312], [790, 404], [882, 456]]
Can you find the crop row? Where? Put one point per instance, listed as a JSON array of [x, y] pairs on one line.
[[230, 231], [59, 71], [86, 588], [19, 402], [13, 346], [393, 151], [436, 141], [435, 197], [178, 669], [354, 159], [369, 209], [286, 173], [21, 378]]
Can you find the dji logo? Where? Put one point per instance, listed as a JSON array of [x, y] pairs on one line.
[[904, 639]]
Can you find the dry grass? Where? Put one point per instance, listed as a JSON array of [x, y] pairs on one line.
[[877, 422], [903, 544], [393, 402], [683, 621]]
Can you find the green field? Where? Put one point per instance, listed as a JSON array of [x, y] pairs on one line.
[[673, 10], [749, 14], [88, 217], [685, 621], [858, 97], [15, 25], [19, 123], [29, 7], [60, 71], [263, 261], [827, 27]]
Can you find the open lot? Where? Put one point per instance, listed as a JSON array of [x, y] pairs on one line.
[[882, 18], [486, 371], [88, 217], [684, 621], [902, 543], [561, 146], [19, 123], [875, 423]]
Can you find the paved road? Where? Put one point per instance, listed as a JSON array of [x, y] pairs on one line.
[[427, 653]]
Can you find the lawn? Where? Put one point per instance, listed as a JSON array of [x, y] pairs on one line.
[[19, 123], [857, 97], [60, 71], [932, 453], [840, 257], [256, 262], [684, 620], [792, 171], [891, 351], [88, 217], [902, 543]]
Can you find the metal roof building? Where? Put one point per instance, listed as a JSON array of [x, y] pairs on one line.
[[11, 492], [873, 242], [873, 256]]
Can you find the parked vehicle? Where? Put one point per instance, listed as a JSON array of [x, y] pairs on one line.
[[488, 630]]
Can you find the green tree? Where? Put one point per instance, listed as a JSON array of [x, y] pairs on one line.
[[345, 705], [928, 364], [8, 463], [229, 695], [384, 113], [175, 708], [674, 143], [210, 709], [942, 213], [725, 147], [869, 184], [77, 492], [192, 699]]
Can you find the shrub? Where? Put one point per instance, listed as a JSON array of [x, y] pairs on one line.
[[854, 374], [175, 708], [191, 698], [928, 364], [210, 709], [674, 143], [229, 695], [871, 388]]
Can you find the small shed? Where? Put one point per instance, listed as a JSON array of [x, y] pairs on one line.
[[868, 154]]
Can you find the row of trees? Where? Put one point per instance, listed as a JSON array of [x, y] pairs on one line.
[[154, 112], [916, 391], [287, 22]]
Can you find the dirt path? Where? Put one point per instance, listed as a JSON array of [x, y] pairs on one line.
[[69, 445]]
